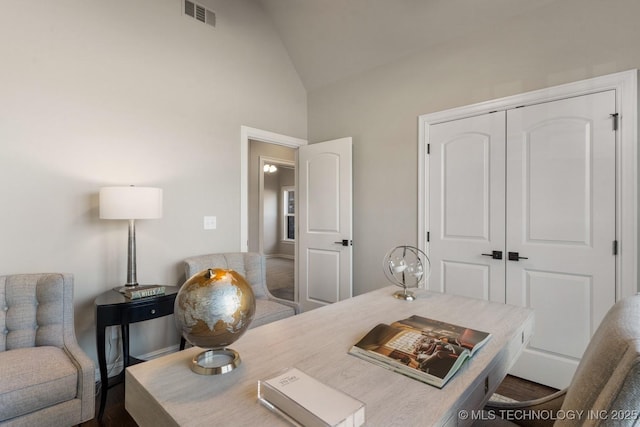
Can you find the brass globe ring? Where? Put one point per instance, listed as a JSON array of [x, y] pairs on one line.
[[215, 362]]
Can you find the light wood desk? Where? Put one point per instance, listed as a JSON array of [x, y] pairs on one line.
[[165, 392]]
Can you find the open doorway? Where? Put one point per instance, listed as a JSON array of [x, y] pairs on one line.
[[271, 206]]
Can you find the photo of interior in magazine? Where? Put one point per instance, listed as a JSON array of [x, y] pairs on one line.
[[425, 349]]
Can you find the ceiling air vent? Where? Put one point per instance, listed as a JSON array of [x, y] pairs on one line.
[[199, 13]]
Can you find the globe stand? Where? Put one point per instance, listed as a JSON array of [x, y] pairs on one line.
[[215, 362], [404, 295]]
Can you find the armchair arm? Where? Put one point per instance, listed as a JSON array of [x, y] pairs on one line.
[[518, 410], [86, 378], [271, 297]]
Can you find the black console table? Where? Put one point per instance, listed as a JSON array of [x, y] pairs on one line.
[[113, 308]]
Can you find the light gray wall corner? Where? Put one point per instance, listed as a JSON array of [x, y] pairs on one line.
[[119, 93]]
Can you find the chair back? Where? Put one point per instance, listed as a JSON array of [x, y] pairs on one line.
[[250, 265], [608, 376], [34, 309]]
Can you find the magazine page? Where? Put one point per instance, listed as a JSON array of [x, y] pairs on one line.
[[468, 338], [425, 349], [412, 353]]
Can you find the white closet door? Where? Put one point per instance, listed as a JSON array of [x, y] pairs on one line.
[[467, 204], [561, 218]]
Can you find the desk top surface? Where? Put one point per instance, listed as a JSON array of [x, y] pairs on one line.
[[166, 392]]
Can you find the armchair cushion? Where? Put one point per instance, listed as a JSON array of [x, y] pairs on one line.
[[33, 311], [29, 385], [268, 311], [46, 378]]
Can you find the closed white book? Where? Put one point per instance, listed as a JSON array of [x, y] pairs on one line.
[[305, 401]]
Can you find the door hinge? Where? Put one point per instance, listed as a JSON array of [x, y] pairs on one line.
[[428, 236], [615, 247], [428, 148], [614, 116]]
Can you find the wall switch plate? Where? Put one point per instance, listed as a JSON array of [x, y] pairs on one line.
[[210, 223]]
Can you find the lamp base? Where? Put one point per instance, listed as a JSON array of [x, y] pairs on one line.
[[126, 287]]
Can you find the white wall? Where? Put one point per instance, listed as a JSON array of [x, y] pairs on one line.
[[270, 226], [96, 93], [567, 41]]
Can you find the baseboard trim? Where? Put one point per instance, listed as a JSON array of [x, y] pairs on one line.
[[280, 256]]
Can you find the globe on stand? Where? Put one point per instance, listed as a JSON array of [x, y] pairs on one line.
[[212, 310], [407, 267]]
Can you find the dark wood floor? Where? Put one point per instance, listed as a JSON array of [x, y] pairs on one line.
[[521, 390], [116, 416], [114, 413]]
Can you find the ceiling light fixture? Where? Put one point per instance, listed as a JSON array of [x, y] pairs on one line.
[[269, 168]]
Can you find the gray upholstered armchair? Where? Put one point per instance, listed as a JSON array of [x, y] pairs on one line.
[[605, 389], [252, 266], [45, 377]]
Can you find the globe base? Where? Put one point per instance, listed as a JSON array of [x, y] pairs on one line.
[[404, 295], [215, 362]]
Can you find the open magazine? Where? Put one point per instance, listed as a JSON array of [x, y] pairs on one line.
[[428, 350]]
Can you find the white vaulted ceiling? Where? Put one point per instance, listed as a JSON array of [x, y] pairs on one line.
[[329, 40]]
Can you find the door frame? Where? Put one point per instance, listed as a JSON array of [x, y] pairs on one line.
[[626, 86], [247, 133]]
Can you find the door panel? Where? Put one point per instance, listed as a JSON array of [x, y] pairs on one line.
[[323, 175], [324, 267], [466, 211], [325, 204], [471, 280], [561, 218], [549, 150], [465, 187], [550, 334]]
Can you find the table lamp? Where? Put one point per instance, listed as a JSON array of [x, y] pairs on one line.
[[130, 203]]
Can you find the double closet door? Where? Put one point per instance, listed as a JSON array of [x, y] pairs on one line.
[[522, 211]]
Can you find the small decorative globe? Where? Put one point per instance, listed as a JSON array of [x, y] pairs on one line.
[[406, 266], [214, 308]]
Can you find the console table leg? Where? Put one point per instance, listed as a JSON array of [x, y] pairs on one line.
[[125, 346], [102, 363]]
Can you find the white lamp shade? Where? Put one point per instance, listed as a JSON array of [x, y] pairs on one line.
[[130, 202]]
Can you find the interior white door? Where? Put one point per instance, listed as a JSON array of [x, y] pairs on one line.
[[467, 206], [325, 222], [561, 222]]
